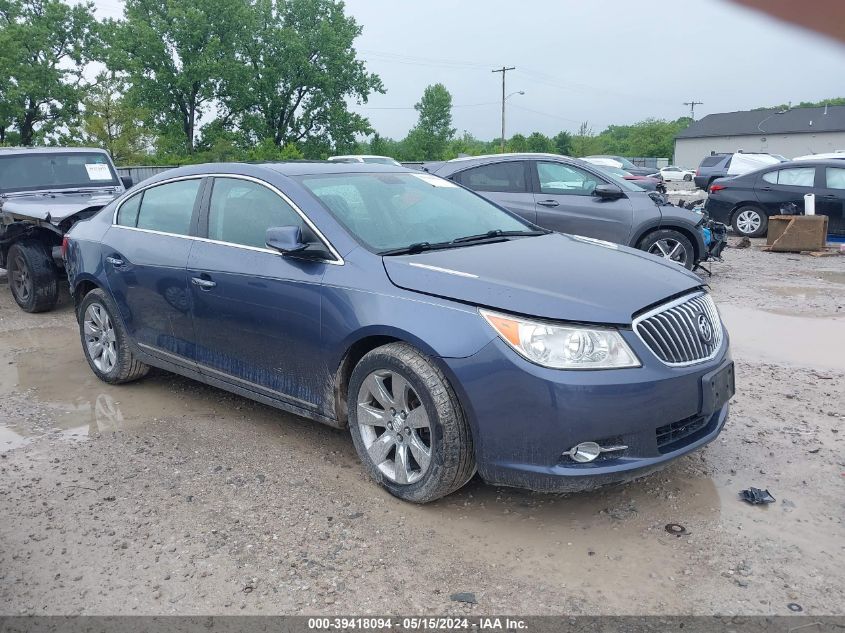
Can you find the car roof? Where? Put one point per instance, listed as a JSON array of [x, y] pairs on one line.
[[50, 150], [523, 155]]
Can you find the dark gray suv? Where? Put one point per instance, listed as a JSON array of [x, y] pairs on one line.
[[572, 196]]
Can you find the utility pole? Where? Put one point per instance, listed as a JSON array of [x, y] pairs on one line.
[[504, 70], [692, 105]]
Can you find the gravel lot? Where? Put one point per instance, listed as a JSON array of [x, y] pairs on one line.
[[167, 496]]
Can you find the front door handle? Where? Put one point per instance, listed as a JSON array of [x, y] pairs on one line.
[[204, 284], [548, 203], [115, 261]]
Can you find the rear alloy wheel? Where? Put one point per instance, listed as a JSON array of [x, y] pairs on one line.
[[687, 177], [408, 426], [750, 222], [33, 277], [105, 341], [671, 245]]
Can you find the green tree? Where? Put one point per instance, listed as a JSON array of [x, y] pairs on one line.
[[112, 122], [585, 143], [563, 143], [517, 143], [295, 71], [44, 48], [431, 135], [538, 142], [174, 55]]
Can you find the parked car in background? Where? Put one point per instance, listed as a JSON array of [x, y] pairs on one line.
[[627, 165], [730, 164], [364, 158], [572, 196], [43, 192], [838, 155], [746, 202], [673, 173], [648, 183], [447, 334]]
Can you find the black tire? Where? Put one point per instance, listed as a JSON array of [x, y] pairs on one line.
[[126, 368], [687, 177], [452, 461], [749, 211], [659, 242], [33, 276]]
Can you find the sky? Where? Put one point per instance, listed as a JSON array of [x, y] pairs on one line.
[[601, 61]]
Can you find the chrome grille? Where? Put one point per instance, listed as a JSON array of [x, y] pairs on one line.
[[682, 332]]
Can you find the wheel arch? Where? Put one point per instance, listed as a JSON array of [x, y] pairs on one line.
[[82, 285], [686, 232]]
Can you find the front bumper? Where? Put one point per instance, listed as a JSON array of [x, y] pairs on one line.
[[524, 417]]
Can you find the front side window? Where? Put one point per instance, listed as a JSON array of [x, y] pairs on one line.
[[502, 177], [795, 177], [241, 211], [169, 207], [387, 211], [835, 177], [558, 178]]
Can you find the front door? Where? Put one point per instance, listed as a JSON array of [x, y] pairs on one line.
[[830, 198], [145, 259], [566, 203], [256, 313]]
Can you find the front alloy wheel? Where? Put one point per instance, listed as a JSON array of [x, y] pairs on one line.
[[395, 428], [670, 249]]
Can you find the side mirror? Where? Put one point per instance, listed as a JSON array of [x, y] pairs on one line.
[[608, 192], [127, 181], [285, 239]]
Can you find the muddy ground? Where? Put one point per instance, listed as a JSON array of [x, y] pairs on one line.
[[167, 496]]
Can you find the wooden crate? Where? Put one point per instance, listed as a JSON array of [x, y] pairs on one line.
[[795, 233]]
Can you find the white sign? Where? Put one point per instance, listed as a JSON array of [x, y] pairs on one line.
[[98, 171]]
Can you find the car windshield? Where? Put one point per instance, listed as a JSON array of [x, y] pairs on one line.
[[55, 171], [388, 211]]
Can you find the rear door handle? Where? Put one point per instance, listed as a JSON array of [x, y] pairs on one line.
[[548, 203], [115, 261], [204, 284]]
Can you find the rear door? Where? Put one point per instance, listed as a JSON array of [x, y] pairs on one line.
[[830, 198], [565, 202], [256, 312], [504, 182], [778, 190], [145, 259]]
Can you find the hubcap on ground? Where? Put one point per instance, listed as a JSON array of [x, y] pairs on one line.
[[394, 427], [670, 249], [21, 279], [748, 221], [100, 340]]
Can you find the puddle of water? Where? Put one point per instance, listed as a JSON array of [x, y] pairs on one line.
[[785, 339], [800, 292], [832, 276]]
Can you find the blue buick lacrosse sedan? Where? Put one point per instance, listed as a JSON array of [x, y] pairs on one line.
[[447, 334]]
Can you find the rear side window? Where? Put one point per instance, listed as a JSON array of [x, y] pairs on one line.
[[835, 178], [795, 177], [127, 215], [503, 177], [241, 211], [168, 208]]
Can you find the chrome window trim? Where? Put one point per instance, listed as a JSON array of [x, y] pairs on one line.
[[337, 261], [672, 304]]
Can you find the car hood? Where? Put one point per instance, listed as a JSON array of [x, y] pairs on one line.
[[561, 277], [58, 206]]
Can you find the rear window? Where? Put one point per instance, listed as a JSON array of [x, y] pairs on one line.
[[712, 161], [56, 170]]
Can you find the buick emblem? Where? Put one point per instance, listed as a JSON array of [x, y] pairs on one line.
[[705, 330]]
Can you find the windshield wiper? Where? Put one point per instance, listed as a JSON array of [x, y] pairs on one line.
[[498, 233]]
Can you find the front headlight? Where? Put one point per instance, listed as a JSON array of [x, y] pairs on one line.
[[563, 346]]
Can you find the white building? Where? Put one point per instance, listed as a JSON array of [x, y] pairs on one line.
[[790, 133]]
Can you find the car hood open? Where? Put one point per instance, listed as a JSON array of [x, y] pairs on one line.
[[561, 277], [59, 206]]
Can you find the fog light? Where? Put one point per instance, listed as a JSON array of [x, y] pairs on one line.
[[585, 452]]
